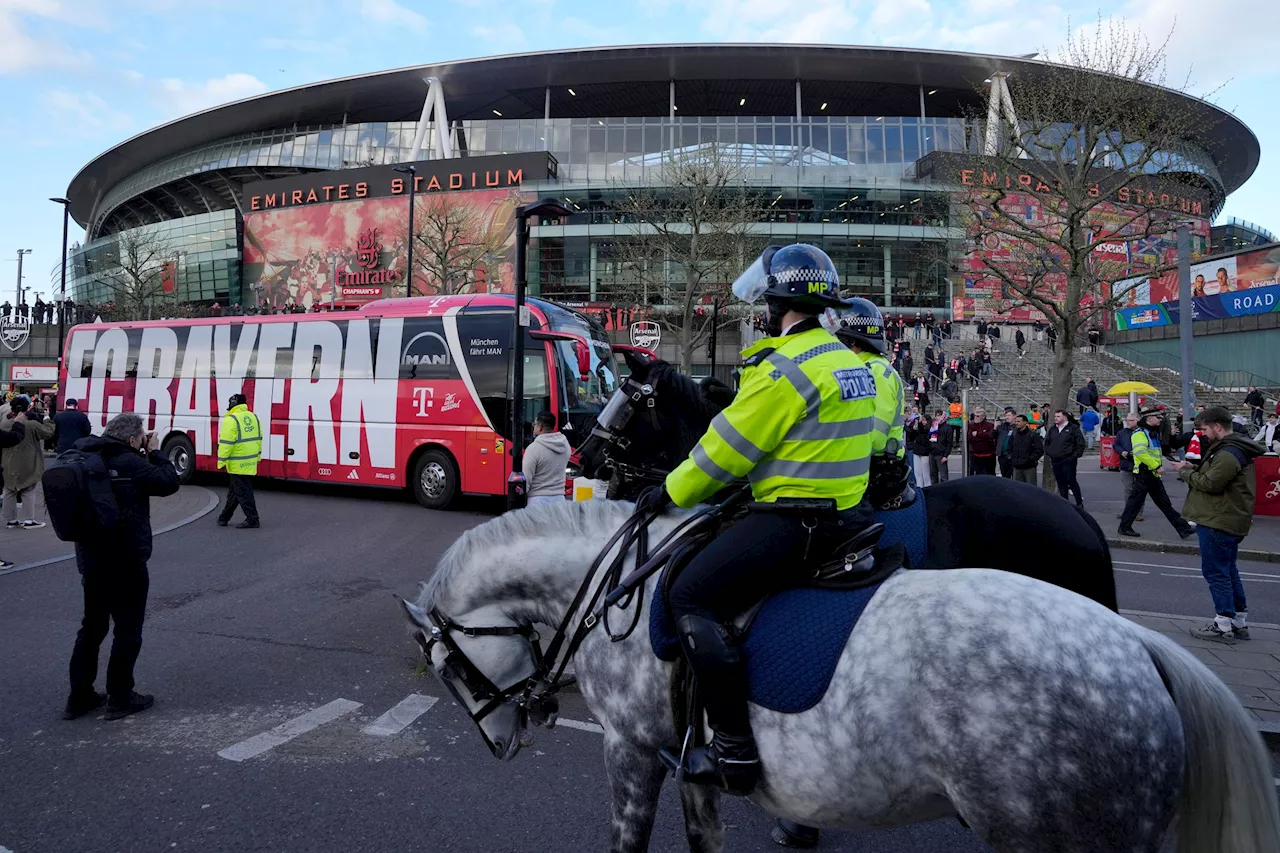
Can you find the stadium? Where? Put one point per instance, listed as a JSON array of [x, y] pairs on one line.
[[293, 196]]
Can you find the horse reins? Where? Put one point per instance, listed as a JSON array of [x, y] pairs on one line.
[[536, 694]]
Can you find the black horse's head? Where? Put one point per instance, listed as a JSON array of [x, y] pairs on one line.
[[651, 423]]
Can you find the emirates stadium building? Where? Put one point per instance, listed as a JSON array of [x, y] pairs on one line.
[[295, 196]]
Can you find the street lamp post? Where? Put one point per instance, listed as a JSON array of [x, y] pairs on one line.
[[18, 300], [62, 300], [412, 172], [516, 485], [1186, 315]]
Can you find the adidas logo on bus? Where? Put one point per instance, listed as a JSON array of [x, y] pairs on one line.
[[354, 475]]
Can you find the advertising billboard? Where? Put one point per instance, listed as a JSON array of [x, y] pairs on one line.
[[348, 253], [340, 238], [983, 295], [1235, 286]]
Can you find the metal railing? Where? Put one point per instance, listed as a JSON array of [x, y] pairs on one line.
[[1222, 380]]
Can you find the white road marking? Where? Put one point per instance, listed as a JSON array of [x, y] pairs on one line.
[[289, 730], [1133, 571], [1191, 568], [574, 724], [401, 716], [1198, 576]]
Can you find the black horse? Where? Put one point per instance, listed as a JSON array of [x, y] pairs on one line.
[[985, 522], [972, 521]]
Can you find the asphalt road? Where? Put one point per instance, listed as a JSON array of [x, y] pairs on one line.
[[249, 630]]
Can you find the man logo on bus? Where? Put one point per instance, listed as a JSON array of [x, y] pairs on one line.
[[368, 249], [426, 349]]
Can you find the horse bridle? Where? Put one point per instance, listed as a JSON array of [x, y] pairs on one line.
[[631, 397], [535, 695], [460, 667]]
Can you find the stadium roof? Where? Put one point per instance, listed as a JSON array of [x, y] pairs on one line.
[[624, 81]]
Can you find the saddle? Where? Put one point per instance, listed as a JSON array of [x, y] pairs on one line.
[[792, 639]]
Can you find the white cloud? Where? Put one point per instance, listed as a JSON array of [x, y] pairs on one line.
[[85, 113], [180, 97], [391, 12], [20, 50], [500, 34], [1231, 39]]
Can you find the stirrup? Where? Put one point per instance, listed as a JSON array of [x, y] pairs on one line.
[[729, 762]]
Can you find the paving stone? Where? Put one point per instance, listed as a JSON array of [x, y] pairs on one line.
[[1254, 698], [1206, 656], [1240, 676], [1266, 716], [1238, 656]]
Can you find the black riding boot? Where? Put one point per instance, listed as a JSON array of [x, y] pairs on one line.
[[730, 761]]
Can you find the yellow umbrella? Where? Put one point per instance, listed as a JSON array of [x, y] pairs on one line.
[[1122, 389]]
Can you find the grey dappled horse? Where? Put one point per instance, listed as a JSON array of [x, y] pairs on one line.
[[1063, 728]]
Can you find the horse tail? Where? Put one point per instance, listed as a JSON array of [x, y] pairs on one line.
[[1228, 802]]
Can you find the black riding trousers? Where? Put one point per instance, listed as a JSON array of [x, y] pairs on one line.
[[761, 553]]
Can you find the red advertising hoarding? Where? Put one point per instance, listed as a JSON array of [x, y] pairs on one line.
[[983, 295], [349, 252]]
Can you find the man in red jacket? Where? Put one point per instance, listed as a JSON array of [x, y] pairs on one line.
[[982, 444]]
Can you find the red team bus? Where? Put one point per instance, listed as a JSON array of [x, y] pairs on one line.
[[408, 393]]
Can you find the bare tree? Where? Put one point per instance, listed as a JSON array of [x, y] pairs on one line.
[[1094, 160], [691, 237], [452, 243], [135, 278]]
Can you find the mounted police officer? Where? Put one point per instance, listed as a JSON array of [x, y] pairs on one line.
[[800, 430], [861, 328]]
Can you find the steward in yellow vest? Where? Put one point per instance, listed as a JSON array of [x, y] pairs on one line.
[[239, 449], [800, 431]]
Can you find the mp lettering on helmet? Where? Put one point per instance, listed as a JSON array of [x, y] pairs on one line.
[[856, 383], [817, 287]]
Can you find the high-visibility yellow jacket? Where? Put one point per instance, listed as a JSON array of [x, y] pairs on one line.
[[800, 427], [1146, 450], [240, 441], [889, 416]]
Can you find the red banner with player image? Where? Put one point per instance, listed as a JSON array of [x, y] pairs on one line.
[[1119, 248], [347, 253]]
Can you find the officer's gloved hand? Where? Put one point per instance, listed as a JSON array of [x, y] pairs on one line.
[[655, 500]]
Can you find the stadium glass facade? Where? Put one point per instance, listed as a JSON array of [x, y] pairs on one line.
[[846, 181]]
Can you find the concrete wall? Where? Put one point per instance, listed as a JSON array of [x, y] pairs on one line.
[[1237, 343]]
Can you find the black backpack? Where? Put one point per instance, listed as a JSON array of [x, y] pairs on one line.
[[78, 496]]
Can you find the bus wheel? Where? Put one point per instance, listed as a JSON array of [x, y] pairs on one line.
[[435, 480], [183, 456]]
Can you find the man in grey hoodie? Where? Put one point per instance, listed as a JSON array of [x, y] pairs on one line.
[[545, 460]]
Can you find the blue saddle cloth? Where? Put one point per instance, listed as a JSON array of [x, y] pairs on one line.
[[795, 642]]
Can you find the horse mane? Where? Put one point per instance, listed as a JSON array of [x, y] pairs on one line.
[[560, 518], [684, 389]]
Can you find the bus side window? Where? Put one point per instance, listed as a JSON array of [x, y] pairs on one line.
[[487, 362], [537, 388]]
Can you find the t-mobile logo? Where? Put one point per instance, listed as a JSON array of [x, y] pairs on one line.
[[424, 398]]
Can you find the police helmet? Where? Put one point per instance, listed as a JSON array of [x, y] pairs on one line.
[[800, 275], [864, 325]]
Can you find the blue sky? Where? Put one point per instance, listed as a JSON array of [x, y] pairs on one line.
[[79, 76]]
